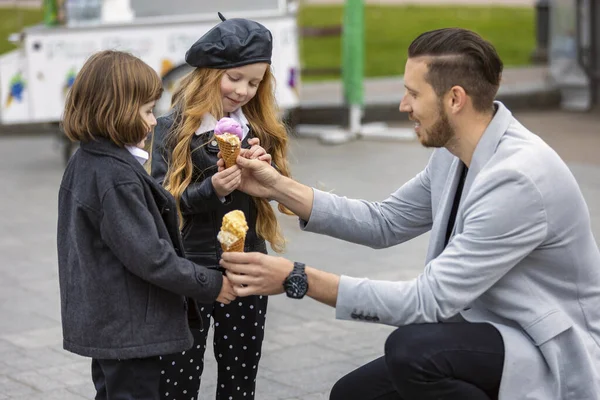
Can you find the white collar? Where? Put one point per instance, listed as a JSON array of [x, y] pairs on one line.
[[209, 122], [140, 154]]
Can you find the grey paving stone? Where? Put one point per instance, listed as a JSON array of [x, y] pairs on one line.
[[312, 396], [207, 391], [75, 374], [267, 389], [295, 336], [316, 379], [355, 341], [17, 361], [35, 338], [37, 381], [85, 390], [5, 369], [11, 388], [9, 292], [269, 346], [58, 348], [6, 347], [60, 394], [44, 305], [368, 354], [305, 356], [15, 322], [45, 357], [209, 375]]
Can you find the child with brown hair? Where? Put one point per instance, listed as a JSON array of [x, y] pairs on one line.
[[232, 78], [123, 278]]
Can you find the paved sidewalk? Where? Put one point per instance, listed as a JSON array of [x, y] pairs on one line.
[[305, 349]]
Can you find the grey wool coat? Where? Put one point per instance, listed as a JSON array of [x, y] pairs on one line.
[[122, 272]]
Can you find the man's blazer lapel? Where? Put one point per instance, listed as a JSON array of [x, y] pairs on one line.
[[440, 222], [483, 153]]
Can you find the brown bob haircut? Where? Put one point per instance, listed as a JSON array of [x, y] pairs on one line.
[[106, 97]]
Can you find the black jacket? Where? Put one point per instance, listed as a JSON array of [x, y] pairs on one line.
[[122, 271], [203, 211]]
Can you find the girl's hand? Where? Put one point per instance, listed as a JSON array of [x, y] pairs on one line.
[[227, 294], [226, 180], [256, 151]]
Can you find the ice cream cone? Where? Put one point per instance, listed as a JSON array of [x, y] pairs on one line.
[[233, 231], [229, 148], [237, 246]]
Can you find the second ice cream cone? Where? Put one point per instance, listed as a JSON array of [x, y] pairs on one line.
[[236, 246], [233, 231]]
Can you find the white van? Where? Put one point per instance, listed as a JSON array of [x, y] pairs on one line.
[[34, 79]]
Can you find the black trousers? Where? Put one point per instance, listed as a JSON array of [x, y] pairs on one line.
[[239, 330], [135, 379], [454, 361]]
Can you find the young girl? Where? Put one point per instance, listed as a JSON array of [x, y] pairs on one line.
[[232, 78], [123, 278]]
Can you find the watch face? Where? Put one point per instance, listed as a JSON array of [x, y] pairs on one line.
[[296, 286]]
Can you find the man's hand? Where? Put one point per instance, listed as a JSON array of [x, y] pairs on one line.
[[256, 273], [227, 180], [254, 152], [258, 177], [227, 294]]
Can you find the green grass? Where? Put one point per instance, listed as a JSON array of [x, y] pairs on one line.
[[389, 30], [13, 21]]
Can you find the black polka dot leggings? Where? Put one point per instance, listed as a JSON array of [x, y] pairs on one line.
[[238, 335]]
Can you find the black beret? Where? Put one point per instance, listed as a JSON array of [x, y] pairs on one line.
[[232, 43]]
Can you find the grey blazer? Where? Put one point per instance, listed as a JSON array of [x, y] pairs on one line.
[[522, 257]]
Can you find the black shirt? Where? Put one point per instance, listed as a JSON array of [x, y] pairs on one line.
[[457, 196]]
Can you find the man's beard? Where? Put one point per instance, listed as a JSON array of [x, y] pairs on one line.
[[440, 133]]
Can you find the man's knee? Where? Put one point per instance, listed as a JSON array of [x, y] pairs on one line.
[[405, 350], [342, 389]]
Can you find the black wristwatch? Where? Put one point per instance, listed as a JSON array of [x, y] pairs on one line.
[[296, 284]]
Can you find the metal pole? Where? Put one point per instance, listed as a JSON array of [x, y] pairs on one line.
[[542, 33], [353, 58], [353, 42], [594, 73]]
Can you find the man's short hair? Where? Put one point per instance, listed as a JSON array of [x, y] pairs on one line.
[[459, 57], [106, 97]]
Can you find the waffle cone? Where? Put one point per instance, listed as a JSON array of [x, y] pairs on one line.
[[236, 246], [229, 152]]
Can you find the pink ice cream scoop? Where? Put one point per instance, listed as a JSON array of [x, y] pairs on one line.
[[228, 125]]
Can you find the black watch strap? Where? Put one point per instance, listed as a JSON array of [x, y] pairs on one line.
[[296, 284], [299, 268]]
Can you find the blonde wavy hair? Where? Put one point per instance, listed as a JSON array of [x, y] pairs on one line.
[[199, 93]]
